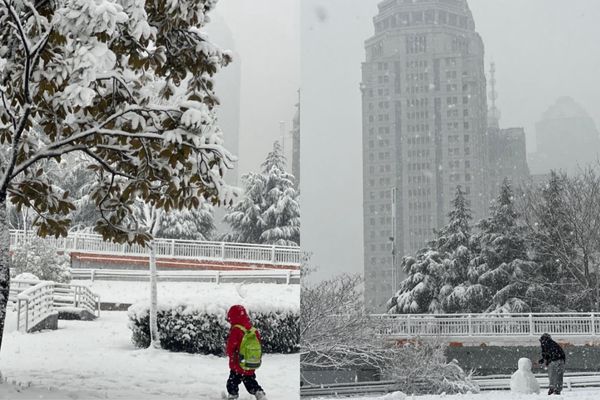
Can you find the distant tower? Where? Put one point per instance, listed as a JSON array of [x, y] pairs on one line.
[[424, 102], [296, 144], [507, 153], [494, 112]]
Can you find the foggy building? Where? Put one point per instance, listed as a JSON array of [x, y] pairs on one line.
[[507, 157], [507, 148], [296, 144], [424, 130], [566, 138], [227, 86]]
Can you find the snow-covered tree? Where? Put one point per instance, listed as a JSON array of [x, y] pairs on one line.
[[335, 331], [195, 224], [41, 259], [269, 212], [437, 273], [502, 265], [565, 223], [98, 78]]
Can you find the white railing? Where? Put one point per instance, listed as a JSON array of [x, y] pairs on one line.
[[45, 298], [19, 285], [287, 276], [489, 325], [34, 305], [184, 249]]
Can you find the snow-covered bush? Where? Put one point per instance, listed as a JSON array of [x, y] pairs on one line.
[[41, 260], [422, 367], [204, 329]]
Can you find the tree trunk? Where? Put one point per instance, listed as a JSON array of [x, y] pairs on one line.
[[154, 338], [4, 263]]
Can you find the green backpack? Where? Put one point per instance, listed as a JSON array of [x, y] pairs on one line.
[[250, 349]]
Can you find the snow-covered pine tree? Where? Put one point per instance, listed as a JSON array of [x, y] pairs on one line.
[[437, 274], [282, 215], [502, 266], [188, 224], [81, 76], [455, 240], [268, 212], [245, 217]]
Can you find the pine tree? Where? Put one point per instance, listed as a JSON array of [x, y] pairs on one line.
[[269, 212], [437, 272], [282, 216], [502, 266], [455, 240], [195, 224], [419, 292]]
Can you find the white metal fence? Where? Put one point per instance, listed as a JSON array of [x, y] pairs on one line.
[[184, 249], [272, 275], [40, 301], [490, 325]]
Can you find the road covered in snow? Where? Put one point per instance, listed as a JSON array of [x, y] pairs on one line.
[[96, 359]]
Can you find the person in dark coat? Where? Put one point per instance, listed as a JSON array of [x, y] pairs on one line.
[[237, 315], [553, 357]]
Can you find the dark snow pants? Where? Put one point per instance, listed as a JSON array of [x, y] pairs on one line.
[[556, 370], [234, 380]]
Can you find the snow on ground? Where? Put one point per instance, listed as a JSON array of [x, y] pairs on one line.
[[287, 296], [577, 394], [96, 359]]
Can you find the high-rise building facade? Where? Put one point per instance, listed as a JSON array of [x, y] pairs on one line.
[[424, 130]]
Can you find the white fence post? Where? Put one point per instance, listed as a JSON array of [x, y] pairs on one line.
[[288, 278], [218, 277], [93, 274], [470, 325], [408, 326], [173, 247], [223, 251], [531, 326], [593, 320]]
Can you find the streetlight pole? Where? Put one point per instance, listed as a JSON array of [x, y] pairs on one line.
[[393, 240]]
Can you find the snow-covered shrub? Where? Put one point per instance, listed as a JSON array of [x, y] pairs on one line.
[[204, 329], [41, 259], [422, 367], [26, 276]]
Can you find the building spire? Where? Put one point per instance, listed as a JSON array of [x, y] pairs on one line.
[[493, 112]]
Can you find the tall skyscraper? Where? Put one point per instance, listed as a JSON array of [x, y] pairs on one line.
[[424, 130]]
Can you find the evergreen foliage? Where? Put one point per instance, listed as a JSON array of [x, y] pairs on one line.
[[268, 212]]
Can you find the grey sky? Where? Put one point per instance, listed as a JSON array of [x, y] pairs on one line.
[[267, 41], [543, 49]]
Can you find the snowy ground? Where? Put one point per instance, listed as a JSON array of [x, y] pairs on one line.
[[132, 292], [91, 360], [583, 394]]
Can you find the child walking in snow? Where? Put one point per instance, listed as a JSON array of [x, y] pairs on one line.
[[239, 372]]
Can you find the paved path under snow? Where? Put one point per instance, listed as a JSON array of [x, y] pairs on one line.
[[83, 360]]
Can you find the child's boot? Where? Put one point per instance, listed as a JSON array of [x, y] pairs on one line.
[[260, 395]]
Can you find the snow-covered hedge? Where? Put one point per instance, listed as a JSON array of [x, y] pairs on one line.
[[203, 329]]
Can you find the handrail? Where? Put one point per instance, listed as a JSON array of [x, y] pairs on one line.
[[287, 276], [44, 299], [34, 305], [488, 325], [175, 248]]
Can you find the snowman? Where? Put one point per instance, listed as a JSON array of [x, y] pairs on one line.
[[523, 381]]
